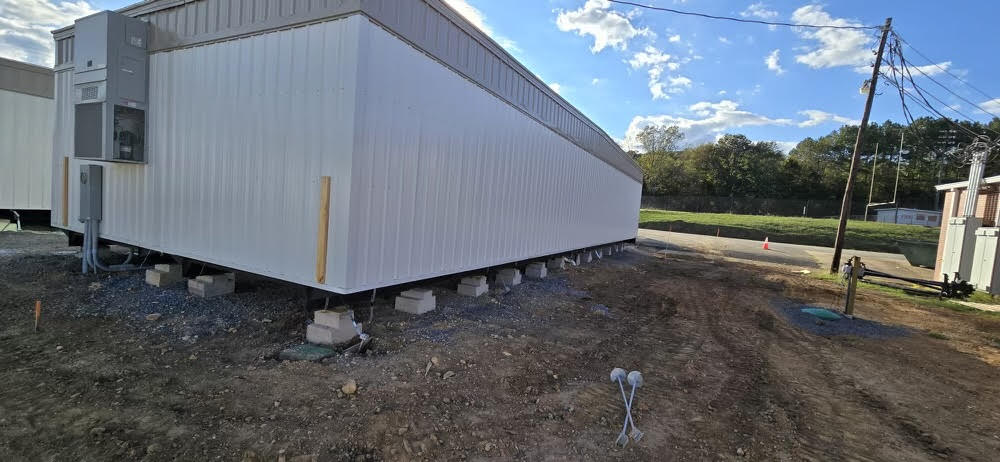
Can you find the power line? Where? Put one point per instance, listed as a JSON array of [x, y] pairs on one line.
[[932, 62], [752, 21], [906, 77], [905, 71], [932, 79], [922, 91]]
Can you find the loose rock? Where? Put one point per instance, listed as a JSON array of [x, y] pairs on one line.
[[350, 388]]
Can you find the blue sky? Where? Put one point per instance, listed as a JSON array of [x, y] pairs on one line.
[[625, 67]]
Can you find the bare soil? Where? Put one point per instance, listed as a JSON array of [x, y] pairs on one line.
[[518, 375]]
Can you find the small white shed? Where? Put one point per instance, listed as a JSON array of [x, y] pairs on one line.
[[27, 113], [905, 216]]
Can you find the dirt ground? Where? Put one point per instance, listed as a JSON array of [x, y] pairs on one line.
[[730, 373]]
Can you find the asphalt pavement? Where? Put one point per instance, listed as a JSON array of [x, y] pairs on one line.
[[794, 256]]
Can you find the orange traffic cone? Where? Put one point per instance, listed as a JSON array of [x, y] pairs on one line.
[[766, 246]]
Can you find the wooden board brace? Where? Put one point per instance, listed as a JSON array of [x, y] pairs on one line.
[[65, 192], [324, 229]]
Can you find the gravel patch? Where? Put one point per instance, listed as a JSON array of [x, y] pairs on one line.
[[856, 327]]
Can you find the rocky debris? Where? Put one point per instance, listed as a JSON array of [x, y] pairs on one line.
[[350, 387], [153, 316]]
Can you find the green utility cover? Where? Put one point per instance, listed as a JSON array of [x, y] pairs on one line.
[[305, 352], [822, 313]]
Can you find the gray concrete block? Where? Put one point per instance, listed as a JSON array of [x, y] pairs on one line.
[[415, 306], [536, 270], [474, 280], [212, 285], [164, 275], [418, 294], [325, 335], [171, 268], [588, 256], [509, 277], [556, 263], [337, 318], [471, 290]]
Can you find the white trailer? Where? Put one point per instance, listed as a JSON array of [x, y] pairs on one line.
[[437, 152], [26, 117]]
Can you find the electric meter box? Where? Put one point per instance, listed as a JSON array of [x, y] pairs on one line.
[[985, 274], [110, 86], [91, 192], [959, 246]]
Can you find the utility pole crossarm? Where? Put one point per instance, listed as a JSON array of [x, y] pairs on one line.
[[845, 206]]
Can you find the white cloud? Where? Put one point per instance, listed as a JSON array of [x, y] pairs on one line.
[[656, 62], [650, 56], [674, 39], [759, 10], [26, 25], [722, 92], [834, 47], [772, 62], [609, 28], [992, 105], [816, 117], [724, 40], [712, 120], [555, 87], [478, 19], [931, 69], [596, 81], [679, 81]]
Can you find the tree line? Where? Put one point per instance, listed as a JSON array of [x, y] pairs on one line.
[[735, 166]]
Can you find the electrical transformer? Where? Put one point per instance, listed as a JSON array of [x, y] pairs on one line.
[[110, 83]]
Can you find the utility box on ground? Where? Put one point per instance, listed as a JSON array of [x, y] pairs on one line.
[[984, 274], [959, 246], [110, 87]]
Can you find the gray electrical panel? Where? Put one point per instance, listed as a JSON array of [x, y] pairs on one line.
[[91, 188], [110, 84]]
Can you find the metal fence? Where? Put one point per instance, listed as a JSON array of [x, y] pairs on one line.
[[750, 206]]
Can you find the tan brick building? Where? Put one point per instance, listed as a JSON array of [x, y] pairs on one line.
[[955, 195]]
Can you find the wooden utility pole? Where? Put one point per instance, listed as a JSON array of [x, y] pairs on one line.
[[852, 286], [845, 206]]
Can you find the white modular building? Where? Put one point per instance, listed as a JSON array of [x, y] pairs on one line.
[[904, 216], [27, 112], [343, 145]]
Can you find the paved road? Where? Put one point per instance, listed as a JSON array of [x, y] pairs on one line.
[[791, 255]]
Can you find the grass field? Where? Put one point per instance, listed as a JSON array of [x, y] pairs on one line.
[[872, 236]]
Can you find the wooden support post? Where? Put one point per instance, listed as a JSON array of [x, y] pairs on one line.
[[324, 229], [65, 192], [852, 286]]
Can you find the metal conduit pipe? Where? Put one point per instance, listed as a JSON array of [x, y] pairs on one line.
[[95, 260], [84, 256]]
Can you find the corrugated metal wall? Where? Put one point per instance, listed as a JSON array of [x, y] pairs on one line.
[[428, 24], [448, 177], [239, 134], [25, 150], [444, 176], [444, 34]]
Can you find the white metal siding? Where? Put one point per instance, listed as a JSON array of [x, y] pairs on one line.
[[431, 174], [448, 177], [239, 134], [25, 151]]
